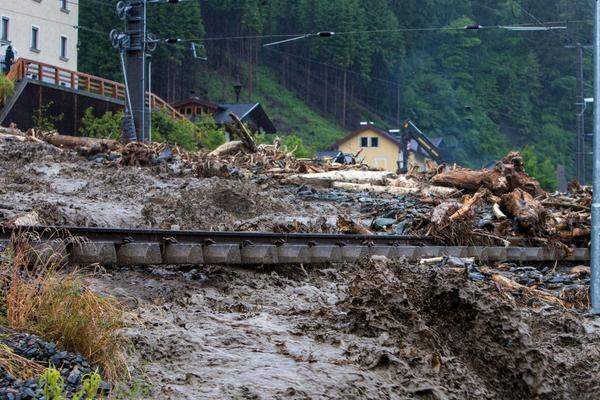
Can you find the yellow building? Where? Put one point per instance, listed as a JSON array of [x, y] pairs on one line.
[[380, 149]]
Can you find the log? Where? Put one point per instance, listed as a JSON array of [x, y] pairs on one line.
[[227, 149], [74, 142], [439, 215], [508, 284], [523, 207], [426, 190], [326, 179], [498, 212], [467, 205], [11, 131], [461, 179]]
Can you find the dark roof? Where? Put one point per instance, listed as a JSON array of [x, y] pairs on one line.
[[244, 111], [196, 101], [241, 110]]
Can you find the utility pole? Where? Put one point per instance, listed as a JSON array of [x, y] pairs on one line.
[[136, 65], [580, 148], [580, 152], [595, 250]]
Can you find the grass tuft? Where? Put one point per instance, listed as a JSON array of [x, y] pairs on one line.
[[58, 307]]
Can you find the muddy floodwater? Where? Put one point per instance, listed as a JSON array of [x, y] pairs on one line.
[[376, 330]]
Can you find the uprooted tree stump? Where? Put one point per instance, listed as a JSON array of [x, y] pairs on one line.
[[508, 174], [527, 211]]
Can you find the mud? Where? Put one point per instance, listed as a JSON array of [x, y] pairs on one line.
[[67, 190], [376, 330]]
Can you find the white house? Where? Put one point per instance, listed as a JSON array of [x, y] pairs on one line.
[[41, 30]]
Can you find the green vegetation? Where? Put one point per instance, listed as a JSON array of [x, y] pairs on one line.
[[7, 89], [542, 169], [54, 385], [165, 128], [211, 136], [292, 116], [108, 126], [44, 119]]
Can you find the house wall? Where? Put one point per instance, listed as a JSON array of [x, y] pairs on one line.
[[52, 22], [383, 157]]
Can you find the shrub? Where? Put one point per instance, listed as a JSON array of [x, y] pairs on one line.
[[107, 126], [43, 120], [211, 136], [295, 145], [543, 170], [7, 89], [180, 132]]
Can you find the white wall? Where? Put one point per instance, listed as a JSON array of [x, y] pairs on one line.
[[52, 21]]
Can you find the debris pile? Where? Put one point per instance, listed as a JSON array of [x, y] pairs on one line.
[[506, 206], [239, 158]]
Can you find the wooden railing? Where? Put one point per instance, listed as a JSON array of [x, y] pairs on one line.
[[30, 69]]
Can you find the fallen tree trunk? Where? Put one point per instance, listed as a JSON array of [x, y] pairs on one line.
[[326, 179], [461, 179], [426, 190], [74, 142], [227, 149], [244, 133], [523, 207]]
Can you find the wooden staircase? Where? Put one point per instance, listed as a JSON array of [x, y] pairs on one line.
[[79, 81]]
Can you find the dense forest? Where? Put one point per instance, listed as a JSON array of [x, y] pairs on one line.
[[484, 91]]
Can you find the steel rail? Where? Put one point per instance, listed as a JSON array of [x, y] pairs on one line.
[[117, 246]]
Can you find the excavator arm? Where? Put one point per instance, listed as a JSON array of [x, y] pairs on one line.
[[410, 131]]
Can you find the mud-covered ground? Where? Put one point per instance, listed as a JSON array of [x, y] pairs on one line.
[[376, 330], [65, 189]]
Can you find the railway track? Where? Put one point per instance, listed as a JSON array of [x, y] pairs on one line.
[[113, 246]]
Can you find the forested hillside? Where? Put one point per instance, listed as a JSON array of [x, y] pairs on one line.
[[485, 91]]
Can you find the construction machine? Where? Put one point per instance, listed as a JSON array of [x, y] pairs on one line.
[[410, 132]]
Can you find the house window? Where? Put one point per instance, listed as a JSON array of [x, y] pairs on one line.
[[364, 142], [34, 38], [374, 142], [63, 48], [5, 26]]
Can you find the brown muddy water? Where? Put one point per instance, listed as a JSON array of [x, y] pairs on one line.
[[377, 330]]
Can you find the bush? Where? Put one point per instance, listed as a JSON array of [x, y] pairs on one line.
[[54, 385], [211, 136], [295, 144], [7, 89], [107, 126], [43, 120], [544, 171], [182, 133]]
